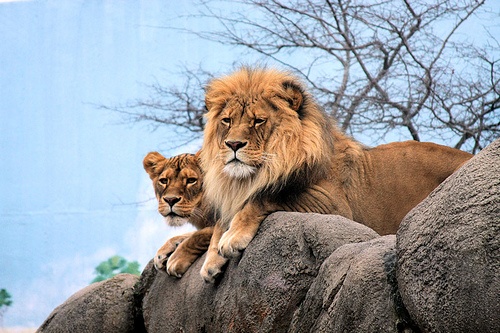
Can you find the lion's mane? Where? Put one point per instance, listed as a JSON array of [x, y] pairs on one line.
[[300, 146]]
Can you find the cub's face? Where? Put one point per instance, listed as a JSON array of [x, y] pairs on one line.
[[177, 182]]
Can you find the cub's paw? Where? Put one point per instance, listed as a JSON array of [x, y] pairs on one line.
[[232, 242], [160, 260], [212, 267], [166, 250]]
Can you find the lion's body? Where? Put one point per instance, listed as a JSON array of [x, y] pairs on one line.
[[178, 186], [380, 185], [269, 147], [390, 180]]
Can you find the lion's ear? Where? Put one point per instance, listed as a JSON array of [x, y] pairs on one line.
[[208, 104], [294, 95], [211, 96], [151, 162], [213, 101]]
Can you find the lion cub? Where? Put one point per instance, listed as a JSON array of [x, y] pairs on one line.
[[178, 183]]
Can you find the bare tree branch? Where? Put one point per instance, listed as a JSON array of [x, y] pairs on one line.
[[377, 66]]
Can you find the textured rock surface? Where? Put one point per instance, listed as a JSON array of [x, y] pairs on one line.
[[106, 306], [448, 250], [259, 292], [355, 291]]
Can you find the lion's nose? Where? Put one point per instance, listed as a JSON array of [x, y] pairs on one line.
[[235, 145], [171, 200]]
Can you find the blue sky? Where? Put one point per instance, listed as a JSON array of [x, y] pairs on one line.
[[70, 174], [73, 191]]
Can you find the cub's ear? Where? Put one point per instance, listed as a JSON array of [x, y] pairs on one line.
[[294, 94], [151, 162]]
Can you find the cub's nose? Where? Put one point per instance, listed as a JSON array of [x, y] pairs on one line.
[[171, 200], [235, 145]]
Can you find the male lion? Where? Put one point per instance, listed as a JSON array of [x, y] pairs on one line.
[[178, 185], [268, 147]]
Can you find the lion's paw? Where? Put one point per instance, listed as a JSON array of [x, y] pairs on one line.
[[182, 258], [178, 263], [233, 243], [212, 267]]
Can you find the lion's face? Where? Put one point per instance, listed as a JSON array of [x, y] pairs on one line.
[[262, 129], [251, 127], [243, 131], [177, 182]]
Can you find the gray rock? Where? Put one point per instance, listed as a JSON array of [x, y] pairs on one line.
[[448, 251], [257, 293], [107, 306], [355, 291], [323, 273]]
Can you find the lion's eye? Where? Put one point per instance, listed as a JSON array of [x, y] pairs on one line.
[[226, 121], [164, 181], [191, 181], [259, 121]]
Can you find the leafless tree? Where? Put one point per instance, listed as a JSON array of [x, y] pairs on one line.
[[180, 106], [379, 67]]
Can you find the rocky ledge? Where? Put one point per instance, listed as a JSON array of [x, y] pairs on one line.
[[323, 273]]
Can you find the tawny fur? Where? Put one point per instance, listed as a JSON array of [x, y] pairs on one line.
[[297, 145], [180, 177], [294, 158]]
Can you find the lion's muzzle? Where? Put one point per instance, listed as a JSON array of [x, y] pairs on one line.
[[235, 145]]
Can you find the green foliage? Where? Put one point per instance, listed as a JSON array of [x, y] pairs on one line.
[[5, 302], [5, 299], [115, 265]]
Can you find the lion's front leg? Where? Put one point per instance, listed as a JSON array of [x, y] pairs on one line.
[[242, 230], [188, 251], [167, 249], [212, 267]]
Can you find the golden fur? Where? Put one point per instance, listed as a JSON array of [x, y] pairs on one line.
[[301, 146], [178, 185], [268, 146]]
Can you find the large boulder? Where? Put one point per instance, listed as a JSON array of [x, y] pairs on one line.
[[448, 251], [107, 306], [257, 293], [355, 291]]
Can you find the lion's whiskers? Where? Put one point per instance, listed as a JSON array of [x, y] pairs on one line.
[[220, 156], [266, 157]]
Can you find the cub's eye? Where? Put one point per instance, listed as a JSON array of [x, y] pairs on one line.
[[259, 121], [226, 121], [191, 181], [164, 181]]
